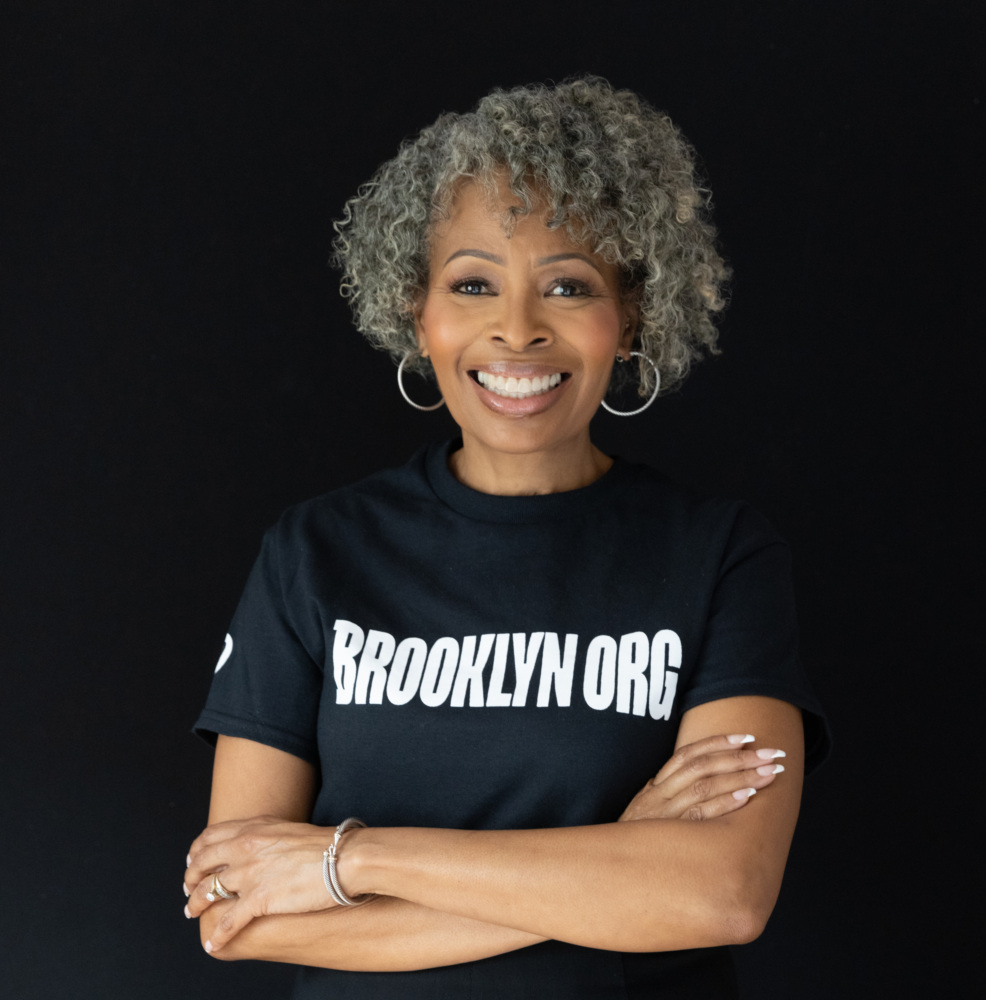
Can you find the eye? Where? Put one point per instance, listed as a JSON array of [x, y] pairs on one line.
[[471, 286], [566, 288]]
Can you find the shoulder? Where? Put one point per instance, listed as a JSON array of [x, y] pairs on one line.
[[648, 496], [387, 494]]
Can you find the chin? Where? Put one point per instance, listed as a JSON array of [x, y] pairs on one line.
[[520, 440]]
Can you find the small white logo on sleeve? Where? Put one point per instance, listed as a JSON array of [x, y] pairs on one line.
[[226, 653]]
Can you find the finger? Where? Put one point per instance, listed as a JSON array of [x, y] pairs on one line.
[[213, 834], [729, 801], [713, 743], [203, 896], [657, 803], [696, 801], [720, 805], [234, 918], [683, 755], [216, 853], [197, 881], [213, 838], [712, 763], [216, 834]]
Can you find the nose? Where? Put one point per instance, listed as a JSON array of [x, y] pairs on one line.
[[519, 324]]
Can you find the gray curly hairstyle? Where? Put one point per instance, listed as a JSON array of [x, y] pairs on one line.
[[614, 171]]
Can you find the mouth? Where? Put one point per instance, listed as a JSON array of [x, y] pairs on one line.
[[518, 387]]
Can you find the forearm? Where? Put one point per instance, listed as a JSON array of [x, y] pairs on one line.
[[386, 935], [651, 885], [451, 896]]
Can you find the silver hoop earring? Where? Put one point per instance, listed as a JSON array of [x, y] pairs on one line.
[[407, 398], [653, 395]]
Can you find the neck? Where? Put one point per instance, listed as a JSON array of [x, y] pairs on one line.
[[529, 474]]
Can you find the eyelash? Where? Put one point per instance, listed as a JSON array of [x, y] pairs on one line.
[[580, 287]]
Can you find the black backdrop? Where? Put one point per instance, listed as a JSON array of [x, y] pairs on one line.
[[177, 367]]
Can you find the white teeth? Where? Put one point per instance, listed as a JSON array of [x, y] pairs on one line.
[[518, 388]]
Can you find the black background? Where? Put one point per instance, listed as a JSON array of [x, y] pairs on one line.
[[177, 367]]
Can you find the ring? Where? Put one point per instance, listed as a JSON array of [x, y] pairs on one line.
[[218, 889]]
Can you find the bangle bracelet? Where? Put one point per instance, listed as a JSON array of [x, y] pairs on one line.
[[329, 858]]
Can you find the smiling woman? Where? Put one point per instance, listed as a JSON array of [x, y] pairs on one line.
[[549, 683], [615, 173]]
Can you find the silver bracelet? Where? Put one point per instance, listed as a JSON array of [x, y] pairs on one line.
[[329, 858]]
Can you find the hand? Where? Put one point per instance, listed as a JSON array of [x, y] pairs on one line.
[[272, 866], [710, 778]]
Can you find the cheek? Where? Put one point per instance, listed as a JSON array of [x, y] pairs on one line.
[[425, 329], [438, 340], [436, 327], [602, 344]]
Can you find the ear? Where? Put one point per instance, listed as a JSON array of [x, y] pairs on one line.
[[631, 317]]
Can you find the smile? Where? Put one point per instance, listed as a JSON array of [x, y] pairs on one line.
[[510, 387]]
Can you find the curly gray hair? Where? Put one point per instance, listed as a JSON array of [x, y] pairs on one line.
[[614, 171]]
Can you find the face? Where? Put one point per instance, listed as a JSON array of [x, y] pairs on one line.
[[522, 327]]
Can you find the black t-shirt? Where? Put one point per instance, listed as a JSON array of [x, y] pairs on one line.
[[450, 658]]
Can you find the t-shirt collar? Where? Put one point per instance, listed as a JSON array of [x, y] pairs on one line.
[[511, 509]]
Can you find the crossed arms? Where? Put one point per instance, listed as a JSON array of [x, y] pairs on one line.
[[694, 862]]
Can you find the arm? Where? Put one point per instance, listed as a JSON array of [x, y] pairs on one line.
[[650, 885], [250, 779], [656, 884]]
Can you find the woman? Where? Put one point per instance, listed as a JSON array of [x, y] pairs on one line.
[[486, 653]]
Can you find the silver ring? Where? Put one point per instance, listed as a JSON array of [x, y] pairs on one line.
[[218, 889]]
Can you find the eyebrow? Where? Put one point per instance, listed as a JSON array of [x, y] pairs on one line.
[[482, 254], [541, 262]]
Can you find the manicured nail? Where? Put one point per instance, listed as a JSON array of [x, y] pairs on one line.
[[740, 738], [185, 889], [188, 913], [209, 896], [188, 861], [744, 793], [766, 769], [770, 754], [208, 946]]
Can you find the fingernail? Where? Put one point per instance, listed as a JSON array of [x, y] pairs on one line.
[[188, 913], [188, 861], [740, 738], [208, 946], [209, 896], [185, 889], [766, 769], [744, 793], [770, 754]]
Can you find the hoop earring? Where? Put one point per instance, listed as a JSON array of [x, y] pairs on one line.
[[407, 398], [653, 395]]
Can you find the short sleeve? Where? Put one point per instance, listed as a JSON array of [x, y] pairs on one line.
[[751, 641], [267, 685]]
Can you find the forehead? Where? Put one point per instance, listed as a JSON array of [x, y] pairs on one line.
[[488, 211]]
